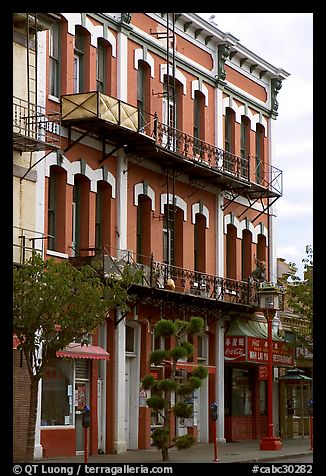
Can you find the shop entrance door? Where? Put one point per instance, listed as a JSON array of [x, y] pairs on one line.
[[81, 399]]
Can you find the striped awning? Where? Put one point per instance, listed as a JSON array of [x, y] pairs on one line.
[[77, 351]]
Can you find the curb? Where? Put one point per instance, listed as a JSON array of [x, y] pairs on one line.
[[276, 457]]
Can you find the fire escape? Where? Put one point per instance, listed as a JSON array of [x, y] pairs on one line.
[[34, 129]]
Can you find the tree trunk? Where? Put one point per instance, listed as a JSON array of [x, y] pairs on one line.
[[165, 454], [30, 443]]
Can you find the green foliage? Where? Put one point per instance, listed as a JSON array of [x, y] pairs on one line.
[[300, 293], [156, 403], [195, 382], [160, 437], [157, 356], [182, 410], [184, 442], [54, 303], [300, 300], [118, 285], [165, 328], [196, 325], [163, 390], [167, 384], [181, 327], [188, 346], [200, 372], [184, 389], [148, 382], [178, 352]]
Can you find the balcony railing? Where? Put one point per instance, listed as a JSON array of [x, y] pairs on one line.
[[33, 128], [26, 241], [158, 275], [202, 152], [145, 130]]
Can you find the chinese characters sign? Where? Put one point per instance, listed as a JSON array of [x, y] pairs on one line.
[[255, 350], [234, 348]]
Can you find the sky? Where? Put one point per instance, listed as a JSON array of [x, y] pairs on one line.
[[285, 40]]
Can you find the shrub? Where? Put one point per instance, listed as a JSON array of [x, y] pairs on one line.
[[165, 328], [183, 442], [167, 384], [157, 356], [156, 403], [183, 410], [178, 352], [148, 382], [160, 437], [200, 372]]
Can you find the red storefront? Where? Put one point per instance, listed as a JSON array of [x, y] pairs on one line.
[[245, 379]]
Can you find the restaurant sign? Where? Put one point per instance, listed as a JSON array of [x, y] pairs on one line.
[[255, 350]]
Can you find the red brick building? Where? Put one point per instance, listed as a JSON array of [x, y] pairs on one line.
[[164, 133]]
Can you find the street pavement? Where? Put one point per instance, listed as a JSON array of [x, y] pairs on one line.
[[237, 452]]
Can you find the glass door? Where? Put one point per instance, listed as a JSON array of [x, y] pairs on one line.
[[81, 399]]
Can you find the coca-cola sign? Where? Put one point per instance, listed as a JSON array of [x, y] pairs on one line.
[[235, 348], [255, 350]]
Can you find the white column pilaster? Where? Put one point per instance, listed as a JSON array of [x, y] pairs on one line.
[[219, 140], [122, 66], [272, 215], [120, 444], [219, 381], [38, 449]]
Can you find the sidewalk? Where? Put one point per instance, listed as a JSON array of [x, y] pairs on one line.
[[238, 452]]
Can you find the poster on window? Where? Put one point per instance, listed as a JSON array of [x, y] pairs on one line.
[[80, 397]]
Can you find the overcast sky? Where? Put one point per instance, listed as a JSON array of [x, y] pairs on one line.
[[286, 41]]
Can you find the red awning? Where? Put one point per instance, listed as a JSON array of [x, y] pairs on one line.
[[77, 351]]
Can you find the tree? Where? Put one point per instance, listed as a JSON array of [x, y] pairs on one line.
[[166, 392], [55, 303], [300, 299]]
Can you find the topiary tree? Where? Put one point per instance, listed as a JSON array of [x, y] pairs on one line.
[[164, 391]]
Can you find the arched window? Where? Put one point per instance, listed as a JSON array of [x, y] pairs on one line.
[[56, 209], [143, 92], [261, 248], [81, 76], [144, 213], [80, 214], [200, 243], [231, 239], [173, 235], [245, 145], [54, 59], [260, 153], [246, 254], [103, 66], [172, 111], [103, 217], [199, 122], [229, 140]]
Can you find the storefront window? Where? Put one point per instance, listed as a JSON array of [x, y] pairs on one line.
[[263, 397], [241, 392], [57, 393]]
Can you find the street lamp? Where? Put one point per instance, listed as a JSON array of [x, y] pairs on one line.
[[269, 303]]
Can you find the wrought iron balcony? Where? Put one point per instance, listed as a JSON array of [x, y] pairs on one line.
[[33, 128], [173, 280], [124, 125]]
